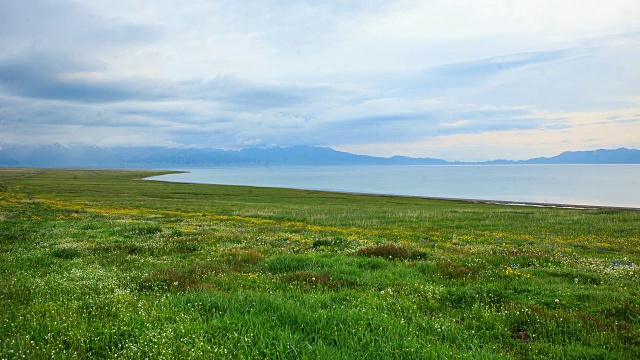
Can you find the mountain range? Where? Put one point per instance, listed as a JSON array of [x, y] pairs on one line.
[[77, 156]]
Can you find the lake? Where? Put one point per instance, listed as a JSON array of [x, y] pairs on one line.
[[593, 185]]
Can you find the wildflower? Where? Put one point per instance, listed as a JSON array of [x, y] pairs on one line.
[[514, 266]]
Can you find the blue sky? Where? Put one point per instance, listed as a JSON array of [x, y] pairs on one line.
[[459, 80]]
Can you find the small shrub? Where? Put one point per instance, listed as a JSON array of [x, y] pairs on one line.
[[387, 251]]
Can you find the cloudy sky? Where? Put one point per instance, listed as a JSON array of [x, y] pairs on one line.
[[459, 80]]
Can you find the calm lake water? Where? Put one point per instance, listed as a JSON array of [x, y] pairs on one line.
[[603, 185]]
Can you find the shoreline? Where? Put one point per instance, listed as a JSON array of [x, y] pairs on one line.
[[495, 202], [468, 200]]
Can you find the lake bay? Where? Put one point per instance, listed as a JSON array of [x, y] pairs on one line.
[[593, 185]]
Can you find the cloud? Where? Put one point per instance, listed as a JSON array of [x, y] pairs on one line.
[[52, 76], [484, 68], [413, 126], [373, 74], [28, 84], [69, 28], [138, 139], [265, 98]]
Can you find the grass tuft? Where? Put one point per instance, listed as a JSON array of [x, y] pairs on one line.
[[386, 251]]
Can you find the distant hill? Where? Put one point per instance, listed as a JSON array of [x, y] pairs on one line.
[[617, 156], [60, 156], [601, 156]]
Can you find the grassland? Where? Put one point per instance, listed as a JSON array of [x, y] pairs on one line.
[[97, 264]]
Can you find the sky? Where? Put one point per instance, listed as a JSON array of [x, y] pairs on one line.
[[465, 80]]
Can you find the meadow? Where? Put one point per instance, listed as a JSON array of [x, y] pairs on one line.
[[100, 264]]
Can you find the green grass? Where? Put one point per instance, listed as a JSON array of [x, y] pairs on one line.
[[97, 264]]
